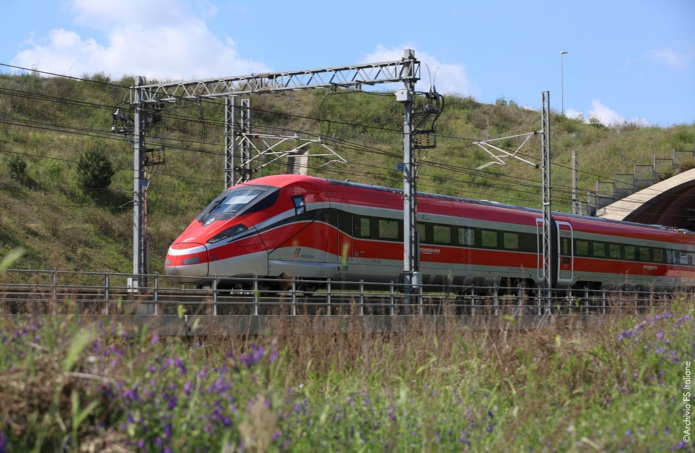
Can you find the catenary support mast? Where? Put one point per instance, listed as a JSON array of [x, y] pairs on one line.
[[139, 181], [411, 255], [548, 267]]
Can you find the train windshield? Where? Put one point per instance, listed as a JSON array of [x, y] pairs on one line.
[[234, 201]]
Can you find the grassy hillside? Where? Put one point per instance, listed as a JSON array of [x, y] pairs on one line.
[[49, 123]]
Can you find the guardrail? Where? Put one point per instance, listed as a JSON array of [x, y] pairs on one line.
[[106, 293]]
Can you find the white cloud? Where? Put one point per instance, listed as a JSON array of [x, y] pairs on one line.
[[669, 57], [162, 39], [604, 115], [448, 78]]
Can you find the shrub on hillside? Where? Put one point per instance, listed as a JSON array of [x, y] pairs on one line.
[[17, 168], [94, 170]]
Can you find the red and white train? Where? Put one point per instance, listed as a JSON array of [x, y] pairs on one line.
[[313, 229]]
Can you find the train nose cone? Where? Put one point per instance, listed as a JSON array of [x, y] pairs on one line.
[[188, 261]]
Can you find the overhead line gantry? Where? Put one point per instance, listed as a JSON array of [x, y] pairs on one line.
[[405, 70]]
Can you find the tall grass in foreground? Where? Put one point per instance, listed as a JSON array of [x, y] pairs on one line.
[[66, 385]]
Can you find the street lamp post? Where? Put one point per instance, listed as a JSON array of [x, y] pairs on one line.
[[562, 80]]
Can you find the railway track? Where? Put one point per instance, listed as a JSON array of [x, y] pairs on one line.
[[181, 310]]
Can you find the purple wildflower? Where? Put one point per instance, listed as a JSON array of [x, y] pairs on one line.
[[625, 334], [131, 394], [180, 365], [254, 356], [172, 401], [273, 356]]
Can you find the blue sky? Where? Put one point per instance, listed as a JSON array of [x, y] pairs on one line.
[[627, 60]]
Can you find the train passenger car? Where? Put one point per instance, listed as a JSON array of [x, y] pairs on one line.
[[313, 229]]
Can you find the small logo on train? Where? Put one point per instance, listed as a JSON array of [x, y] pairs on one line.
[[305, 256]]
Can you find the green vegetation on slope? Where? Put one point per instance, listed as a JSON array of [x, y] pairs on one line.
[[49, 123]]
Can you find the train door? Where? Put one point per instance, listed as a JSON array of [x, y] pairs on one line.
[[566, 247], [561, 251], [344, 240]]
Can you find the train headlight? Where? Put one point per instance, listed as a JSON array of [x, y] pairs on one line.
[[228, 233]]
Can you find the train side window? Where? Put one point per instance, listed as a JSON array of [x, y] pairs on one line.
[[362, 227], [599, 249], [488, 238], [565, 244], [441, 234], [466, 236], [529, 242], [581, 248], [659, 256], [644, 254], [388, 229], [345, 222], [422, 232], [299, 206], [511, 241], [630, 252], [614, 250], [330, 217]]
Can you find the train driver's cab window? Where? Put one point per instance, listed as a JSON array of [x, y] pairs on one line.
[[299, 206], [238, 200]]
